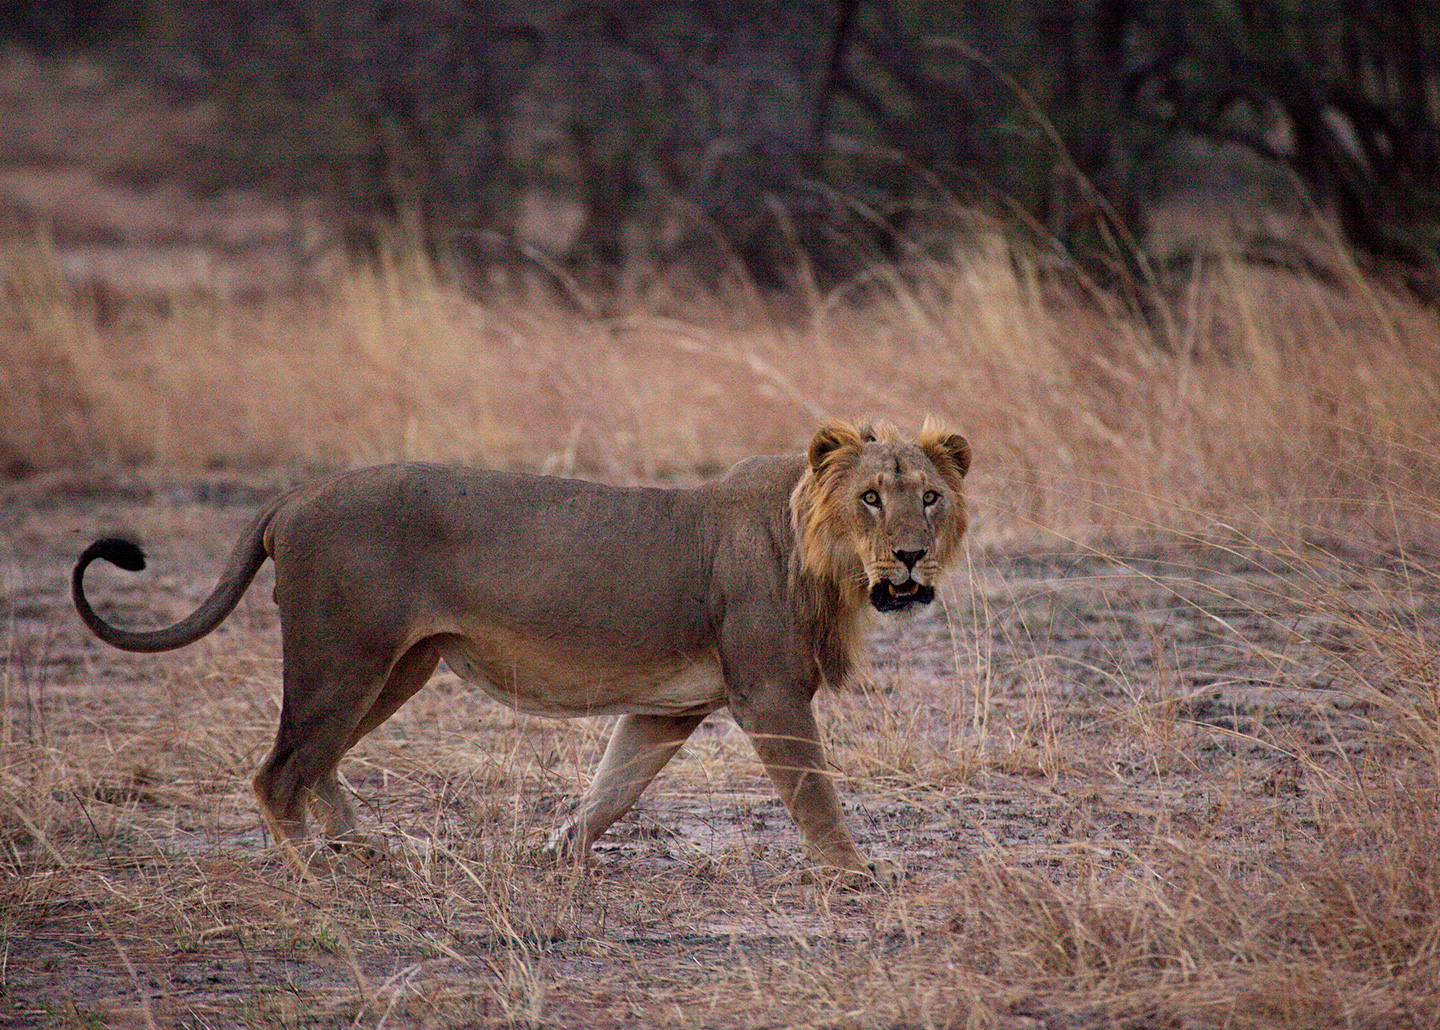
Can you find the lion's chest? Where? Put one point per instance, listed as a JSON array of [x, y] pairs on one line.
[[565, 680]]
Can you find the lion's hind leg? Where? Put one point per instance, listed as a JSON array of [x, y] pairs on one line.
[[329, 803], [329, 703]]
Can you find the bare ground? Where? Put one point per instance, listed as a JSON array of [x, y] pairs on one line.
[[1072, 743]]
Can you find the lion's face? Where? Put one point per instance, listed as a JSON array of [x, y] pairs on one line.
[[875, 506]]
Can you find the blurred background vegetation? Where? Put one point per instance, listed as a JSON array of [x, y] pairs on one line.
[[802, 140]]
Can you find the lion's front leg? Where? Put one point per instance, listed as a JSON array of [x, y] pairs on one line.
[[788, 742], [638, 750]]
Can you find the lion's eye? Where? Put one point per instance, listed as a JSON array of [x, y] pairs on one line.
[[930, 498], [871, 498]]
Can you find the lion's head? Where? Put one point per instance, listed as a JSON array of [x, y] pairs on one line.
[[878, 516]]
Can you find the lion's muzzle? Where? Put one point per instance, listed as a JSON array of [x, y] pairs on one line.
[[896, 597]]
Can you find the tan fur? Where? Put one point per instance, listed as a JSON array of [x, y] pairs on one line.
[[566, 598]]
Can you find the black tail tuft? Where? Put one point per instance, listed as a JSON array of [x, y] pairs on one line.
[[125, 554]]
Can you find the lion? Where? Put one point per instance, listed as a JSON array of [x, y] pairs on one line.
[[563, 598]]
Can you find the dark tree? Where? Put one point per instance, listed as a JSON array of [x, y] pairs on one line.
[[785, 133]]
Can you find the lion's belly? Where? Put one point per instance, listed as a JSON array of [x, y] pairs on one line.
[[541, 677]]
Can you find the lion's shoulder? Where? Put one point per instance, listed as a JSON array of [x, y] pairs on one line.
[[760, 473]]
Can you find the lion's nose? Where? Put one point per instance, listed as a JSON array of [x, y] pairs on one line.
[[909, 558]]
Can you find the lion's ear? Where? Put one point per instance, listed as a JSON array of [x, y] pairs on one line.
[[959, 449], [830, 438], [947, 448]]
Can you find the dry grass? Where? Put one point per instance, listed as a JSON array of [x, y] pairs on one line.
[[1229, 820], [1259, 392], [1167, 758]]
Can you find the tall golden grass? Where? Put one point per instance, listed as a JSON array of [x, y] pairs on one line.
[[1250, 389]]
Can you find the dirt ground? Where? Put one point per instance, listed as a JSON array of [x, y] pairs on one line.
[[1060, 720]]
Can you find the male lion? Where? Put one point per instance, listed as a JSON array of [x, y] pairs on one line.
[[566, 598]]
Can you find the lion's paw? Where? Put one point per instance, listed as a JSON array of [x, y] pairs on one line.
[[878, 872], [885, 872], [560, 849]]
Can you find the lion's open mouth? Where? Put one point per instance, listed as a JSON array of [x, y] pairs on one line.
[[892, 597]]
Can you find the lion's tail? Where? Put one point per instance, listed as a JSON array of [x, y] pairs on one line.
[[245, 560]]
